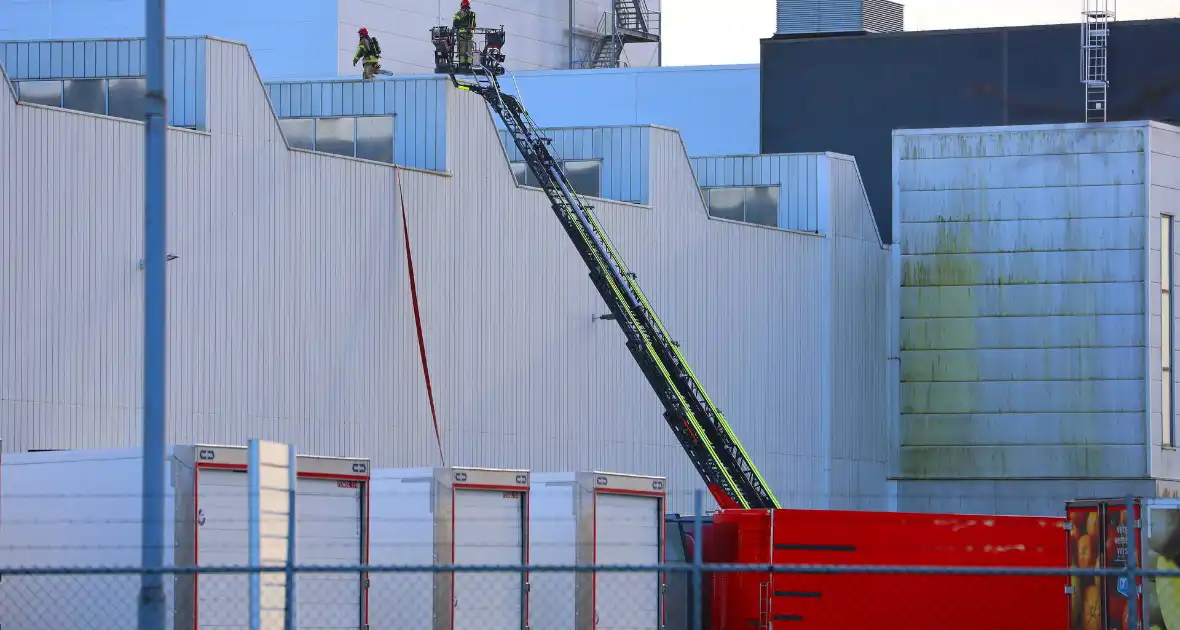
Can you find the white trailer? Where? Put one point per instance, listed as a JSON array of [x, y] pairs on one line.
[[83, 509], [449, 516], [590, 518]]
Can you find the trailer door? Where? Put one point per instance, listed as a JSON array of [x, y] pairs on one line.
[[223, 537], [328, 532], [627, 531], [489, 530]]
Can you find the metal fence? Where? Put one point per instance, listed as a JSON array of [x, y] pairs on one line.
[[489, 597], [687, 590]]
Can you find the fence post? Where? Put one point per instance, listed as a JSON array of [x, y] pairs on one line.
[[1132, 536], [698, 546]]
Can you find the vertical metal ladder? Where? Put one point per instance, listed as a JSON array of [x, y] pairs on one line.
[[1097, 16], [701, 429]]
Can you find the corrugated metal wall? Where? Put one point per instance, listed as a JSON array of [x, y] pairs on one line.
[[624, 153], [796, 175], [1163, 175], [801, 17], [858, 284], [290, 316], [758, 361], [419, 105], [110, 58], [1022, 311]]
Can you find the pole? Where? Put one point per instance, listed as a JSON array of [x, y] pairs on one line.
[[254, 532], [698, 546], [151, 590], [289, 601], [571, 37], [1132, 537]]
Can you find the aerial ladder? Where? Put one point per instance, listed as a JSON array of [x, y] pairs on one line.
[[701, 428]]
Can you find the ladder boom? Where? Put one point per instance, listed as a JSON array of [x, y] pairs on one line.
[[699, 426]]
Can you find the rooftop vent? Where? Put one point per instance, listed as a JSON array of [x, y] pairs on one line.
[[823, 17]]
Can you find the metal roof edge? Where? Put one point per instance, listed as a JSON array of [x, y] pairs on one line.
[[952, 31], [752, 155], [1127, 124]]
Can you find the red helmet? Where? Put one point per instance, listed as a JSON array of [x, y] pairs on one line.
[[364, 32], [466, 4]]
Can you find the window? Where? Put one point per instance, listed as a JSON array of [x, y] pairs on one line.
[[126, 98], [365, 137], [40, 92], [749, 204], [584, 175], [86, 95], [300, 132], [336, 135], [374, 138], [1167, 386]]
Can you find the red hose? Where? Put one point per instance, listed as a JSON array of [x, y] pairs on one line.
[[418, 316]]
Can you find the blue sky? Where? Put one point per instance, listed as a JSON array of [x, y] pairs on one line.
[[709, 32]]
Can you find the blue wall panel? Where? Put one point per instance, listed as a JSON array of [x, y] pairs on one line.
[[715, 108], [268, 28], [1022, 297], [110, 58], [419, 106], [625, 153], [797, 176]]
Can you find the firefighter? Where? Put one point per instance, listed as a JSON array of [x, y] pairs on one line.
[[464, 26], [369, 50]]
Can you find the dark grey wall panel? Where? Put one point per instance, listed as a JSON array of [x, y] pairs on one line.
[[847, 94]]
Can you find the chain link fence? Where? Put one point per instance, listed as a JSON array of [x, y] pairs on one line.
[[670, 596], [510, 565]]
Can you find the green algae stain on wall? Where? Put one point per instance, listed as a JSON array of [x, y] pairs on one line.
[[940, 341]]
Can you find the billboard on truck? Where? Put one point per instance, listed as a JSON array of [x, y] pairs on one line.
[[915, 601], [1099, 532]]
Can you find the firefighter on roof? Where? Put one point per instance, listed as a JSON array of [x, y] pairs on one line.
[[369, 50], [464, 26]]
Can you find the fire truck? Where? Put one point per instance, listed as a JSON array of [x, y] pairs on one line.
[[752, 529]]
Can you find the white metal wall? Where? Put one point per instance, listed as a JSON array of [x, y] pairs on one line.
[[1022, 304], [290, 317], [1163, 176], [858, 271], [538, 31]]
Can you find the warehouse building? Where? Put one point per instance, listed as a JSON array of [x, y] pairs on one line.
[[1037, 318], [290, 315]]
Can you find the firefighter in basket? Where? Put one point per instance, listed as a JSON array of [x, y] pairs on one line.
[[464, 25]]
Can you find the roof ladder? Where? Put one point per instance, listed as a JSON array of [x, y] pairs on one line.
[[701, 429], [1097, 16]]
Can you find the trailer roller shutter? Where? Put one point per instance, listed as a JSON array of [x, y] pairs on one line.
[[627, 531], [489, 530]]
